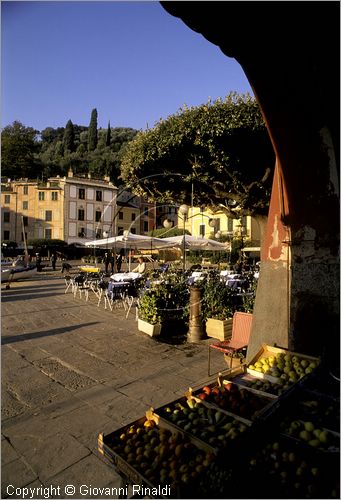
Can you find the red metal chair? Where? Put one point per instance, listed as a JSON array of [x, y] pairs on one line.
[[241, 329]]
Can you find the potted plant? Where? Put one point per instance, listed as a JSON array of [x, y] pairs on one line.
[[217, 309], [164, 307], [149, 319]]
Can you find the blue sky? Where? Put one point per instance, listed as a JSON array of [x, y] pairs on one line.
[[132, 61]]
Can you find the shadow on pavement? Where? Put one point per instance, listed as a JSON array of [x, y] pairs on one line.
[[48, 333]]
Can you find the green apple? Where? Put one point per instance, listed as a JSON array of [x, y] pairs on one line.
[[309, 426], [305, 435]]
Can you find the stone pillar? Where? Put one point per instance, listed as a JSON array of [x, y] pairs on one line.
[[195, 332]]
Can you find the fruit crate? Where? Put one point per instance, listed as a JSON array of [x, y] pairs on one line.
[[220, 432], [241, 377], [278, 467], [268, 351], [151, 476], [242, 401]]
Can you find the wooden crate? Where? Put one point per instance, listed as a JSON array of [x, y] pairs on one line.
[[268, 350], [219, 329]]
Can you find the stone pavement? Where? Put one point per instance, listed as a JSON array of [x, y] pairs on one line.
[[70, 370]]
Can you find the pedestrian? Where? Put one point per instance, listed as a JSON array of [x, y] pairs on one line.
[[106, 262], [38, 262], [119, 260], [112, 261], [65, 266], [53, 261]]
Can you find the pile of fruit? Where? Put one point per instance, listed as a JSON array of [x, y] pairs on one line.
[[161, 456], [311, 434], [211, 426], [233, 398], [265, 386], [286, 368], [284, 470]]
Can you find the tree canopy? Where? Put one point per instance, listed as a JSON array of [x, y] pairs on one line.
[[221, 149], [18, 148], [29, 153]]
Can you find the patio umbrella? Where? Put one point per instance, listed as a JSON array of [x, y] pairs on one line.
[[130, 240], [196, 243]]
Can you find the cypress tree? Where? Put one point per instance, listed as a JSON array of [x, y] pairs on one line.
[[108, 138], [92, 132], [69, 138]]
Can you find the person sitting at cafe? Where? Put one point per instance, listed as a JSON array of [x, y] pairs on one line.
[[141, 267]]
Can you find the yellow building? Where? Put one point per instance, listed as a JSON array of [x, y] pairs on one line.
[[73, 209], [205, 223]]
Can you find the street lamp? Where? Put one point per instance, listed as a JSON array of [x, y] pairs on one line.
[[183, 209]]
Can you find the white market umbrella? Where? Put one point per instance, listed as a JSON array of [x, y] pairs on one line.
[[130, 240], [196, 243]]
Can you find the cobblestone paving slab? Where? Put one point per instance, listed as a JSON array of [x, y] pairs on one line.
[[15, 474], [49, 456], [67, 377], [8, 453], [89, 477]]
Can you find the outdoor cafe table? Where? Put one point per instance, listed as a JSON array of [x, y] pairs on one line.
[[125, 276]]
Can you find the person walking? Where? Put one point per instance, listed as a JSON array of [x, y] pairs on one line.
[[112, 261], [53, 261], [119, 260], [106, 262], [38, 262]]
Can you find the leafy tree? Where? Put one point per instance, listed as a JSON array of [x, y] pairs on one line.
[[92, 137], [108, 137], [18, 147], [69, 138], [221, 148]]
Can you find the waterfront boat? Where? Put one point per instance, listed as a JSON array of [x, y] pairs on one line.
[[17, 271]]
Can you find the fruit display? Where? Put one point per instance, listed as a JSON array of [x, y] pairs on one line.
[[235, 399], [264, 386], [311, 434], [159, 455], [208, 424], [324, 411], [285, 471], [284, 368]]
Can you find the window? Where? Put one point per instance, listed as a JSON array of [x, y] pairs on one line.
[[230, 224], [41, 196], [202, 230], [120, 231], [98, 216], [25, 205], [133, 217], [6, 216], [6, 235], [48, 215], [120, 215], [81, 233], [145, 226], [25, 189], [80, 214], [244, 221], [98, 233], [48, 233], [22, 236], [133, 230], [7, 198], [98, 195], [54, 196], [81, 194], [25, 221]]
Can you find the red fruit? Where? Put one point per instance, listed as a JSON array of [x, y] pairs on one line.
[[206, 389], [228, 386], [203, 395], [215, 390]]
